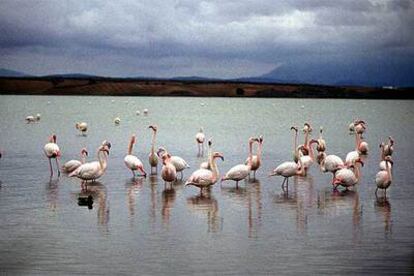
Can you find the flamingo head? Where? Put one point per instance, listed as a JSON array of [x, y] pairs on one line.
[[381, 145], [321, 129], [388, 158], [161, 151], [210, 141], [295, 128], [307, 128], [201, 129], [391, 140], [133, 139], [359, 160], [84, 152], [313, 141], [218, 155], [53, 138], [321, 157], [302, 149], [153, 127], [165, 157], [104, 148], [107, 144], [336, 181], [253, 139], [261, 139]]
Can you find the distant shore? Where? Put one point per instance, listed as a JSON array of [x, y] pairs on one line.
[[151, 87]]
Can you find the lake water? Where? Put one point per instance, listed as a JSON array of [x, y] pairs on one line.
[[139, 227]]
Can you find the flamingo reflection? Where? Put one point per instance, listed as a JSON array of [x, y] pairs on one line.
[[168, 198], [382, 205], [206, 204], [133, 187]]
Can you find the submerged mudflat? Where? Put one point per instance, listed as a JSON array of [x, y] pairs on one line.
[[139, 226]]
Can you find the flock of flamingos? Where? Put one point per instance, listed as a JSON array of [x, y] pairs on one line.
[[344, 173]]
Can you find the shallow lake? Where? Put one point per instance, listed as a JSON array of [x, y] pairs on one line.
[[140, 227]]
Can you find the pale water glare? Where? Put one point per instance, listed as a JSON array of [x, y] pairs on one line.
[[140, 227]]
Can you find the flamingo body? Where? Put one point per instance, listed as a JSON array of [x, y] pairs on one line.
[[237, 173]]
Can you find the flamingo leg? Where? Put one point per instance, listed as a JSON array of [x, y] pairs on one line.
[[181, 175], [133, 173], [283, 183], [237, 184], [254, 175], [58, 166], [376, 191], [50, 167]]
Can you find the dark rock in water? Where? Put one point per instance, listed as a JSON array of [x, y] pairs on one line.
[[85, 201]]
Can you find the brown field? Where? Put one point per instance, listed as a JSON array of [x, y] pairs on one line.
[[133, 87]]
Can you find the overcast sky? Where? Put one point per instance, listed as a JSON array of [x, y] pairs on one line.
[[226, 39]]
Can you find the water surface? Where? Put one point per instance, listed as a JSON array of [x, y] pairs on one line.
[[140, 226]]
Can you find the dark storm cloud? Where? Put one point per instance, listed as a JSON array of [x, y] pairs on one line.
[[214, 38]]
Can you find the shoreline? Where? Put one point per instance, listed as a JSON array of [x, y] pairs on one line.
[[60, 86]]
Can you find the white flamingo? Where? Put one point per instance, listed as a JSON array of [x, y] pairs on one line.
[[82, 127], [179, 163], [168, 171], [256, 159], [383, 179], [52, 150], [295, 144], [346, 177], [241, 171], [205, 164], [131, 161], [331, 163], [153, 158], [307, 160], [72, 165], [203, 178], [200, 141], [288, 169], [91, 171]]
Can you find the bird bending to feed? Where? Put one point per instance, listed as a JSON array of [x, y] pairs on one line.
[[200, 142], [72, 165], [241, 171], [179, 163], [52, 150], [203, 178], [153, 158], [33, 119], [383, 178], [91, 171], [331, 163], [132, 162], [348, 176], [117, 121], [168, 171], [82, 127], [256, 159]]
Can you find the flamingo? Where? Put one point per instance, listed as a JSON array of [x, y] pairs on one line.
[[389, 148], [307, 129], [321, 142], [93, 170], [353, 155], [256, 159], [117, 121], [179, 163], [72, 165], [52, 150], [360, 126], [82, 127], [153, 158], [145, 111], [382, 164], [30, 119], [331, 163], [241, 171], [346, 177], [288, 169], [131, 161], [168, 171], [295, 144], [307, 160], [203, 178], [38, 117], [205, 164], [200, 141], [383, 179]]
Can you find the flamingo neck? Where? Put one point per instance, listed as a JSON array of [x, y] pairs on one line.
[[357, 141], [306, 143], [300, 168], [311, 151], [213, 167], [83, 158], [383, 153], [249, 163], [130, 146], [295, 141], [259, 151], [388, 168]]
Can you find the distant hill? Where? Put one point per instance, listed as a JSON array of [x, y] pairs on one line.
[[12, 73], [73, 75]]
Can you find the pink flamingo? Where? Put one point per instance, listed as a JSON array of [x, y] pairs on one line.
[[200, 142], [389, 147], [93, 170], [241, 171], [168, 171], [203, 178], [382, 164], [72, 165], [383, 179], [131, 161], [307, 160], [354, 155], [52, 150], [321, 142], [346, 177], [307, 129], [331, 163], [205, 164], [256, 159], [179, 163], [153, 158]]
